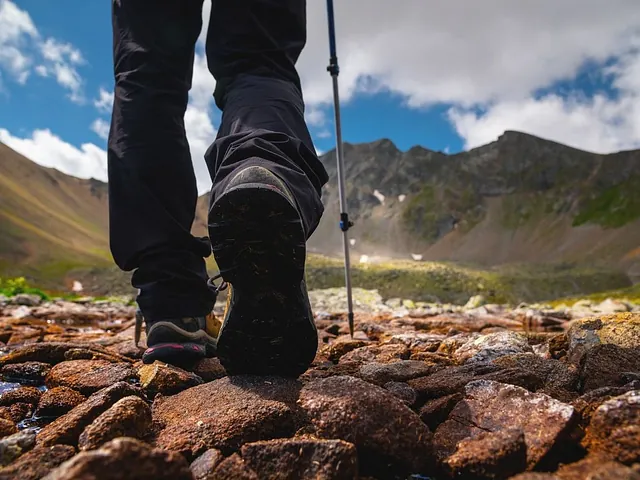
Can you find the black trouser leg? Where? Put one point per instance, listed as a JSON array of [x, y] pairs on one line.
[[152, 186], [252, 48]]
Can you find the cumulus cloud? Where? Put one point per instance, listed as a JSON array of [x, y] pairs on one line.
[[101, 128], [104, 102]]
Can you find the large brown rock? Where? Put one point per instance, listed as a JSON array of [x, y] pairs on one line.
[[596, 467], [492, 406], [233, 468], [161, 378], [128, 417], [382, 428], [614, 430], [28, 395], [301, 458], [486, 348], [7, 427], [67, 429], [58, 401], [604, 366], [47, 352], [13, 446], [399, 371], [88, 376], [123, 459], [37, 463], [226, 413], [621, 329], [29, 371], [377, 353]]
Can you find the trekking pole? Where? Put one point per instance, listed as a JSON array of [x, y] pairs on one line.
[[345, 223]]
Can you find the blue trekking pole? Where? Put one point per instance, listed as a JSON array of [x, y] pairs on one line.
[[345, 223]]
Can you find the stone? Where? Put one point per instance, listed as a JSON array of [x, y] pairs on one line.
[[50, 352], [88, 376], [226, 413], [37, 463], [488, 455], [621, 329], [343, 345], [90, 354], [377, 353], [209, 369], [13, 446], [596, 467], [475, 302], [382, 428], [16, 412], [604, 366], [67, 428], [27, 299], [27, 372], [58, 401], [28, 395], [535, 476], [203, 466], [128, 417], [303, 458], [402, 391], [400, 371], [489, 347], [493, 406], [437, 410], [611, 306], [587, 404], [449, 345], [161, 378], [123, 459], [614, 430], [7, 427], [234, 468]]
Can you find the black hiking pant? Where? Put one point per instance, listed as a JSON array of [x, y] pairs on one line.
[[252, 47]]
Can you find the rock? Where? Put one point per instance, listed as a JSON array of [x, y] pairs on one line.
[[418, 342], [614, 430], [16, 412], [26, 299], [203, 466], [303, 458], [604, 366], [67, 429], [400, 371], [161, 378], [596, 467], [535, 476], [88, 376], [449, 345], [475, 302], [381, 427], [403, 391], [493, 406], [89, 354], [28, 371], [7, 427], [226, 413], [37, 463], [234, 468], [492, 346], [436, 411], [128, 417], [28, 395], [343, 345], [58, 401], [488, 455], [123, 459], [209, 369], [377, 353], [622, 329], [587, 404], [13, 446], [611, 306]]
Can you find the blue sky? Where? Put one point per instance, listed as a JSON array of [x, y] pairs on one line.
[[421, 75]]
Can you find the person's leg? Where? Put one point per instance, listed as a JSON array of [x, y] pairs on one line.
[[267, 181], [152, 186]]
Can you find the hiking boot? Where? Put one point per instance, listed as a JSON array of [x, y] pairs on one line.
[[178, 341], [259, 244]]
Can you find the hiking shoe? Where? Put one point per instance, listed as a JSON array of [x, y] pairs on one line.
[[259, 244], [177, 341]]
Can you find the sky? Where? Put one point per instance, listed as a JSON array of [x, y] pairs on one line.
[[447, 75]]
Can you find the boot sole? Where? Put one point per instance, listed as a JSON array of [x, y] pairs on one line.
[[259, 245]]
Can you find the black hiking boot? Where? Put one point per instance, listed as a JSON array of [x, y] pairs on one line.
[[259, 244]]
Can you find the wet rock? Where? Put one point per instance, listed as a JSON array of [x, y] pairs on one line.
[[614, 430], [489, 347], [226, 413], [16, 412], [377, 353], [37, 463], [7, 427], [436, 411], [123, 459], [622, 329], [28, 395], [489, 455], [203, 466], [403, 391], [343, 345], [58, 401], [13, 446], [587, 404], [88, 376], [492, 406], [128, 417], [67, 429], [209, 369], [49, 352], [596, 467], [161, 378], [604, 366], [29, 371], [382, 428], [400, 371], [26, 299], [303, 458], [234, 468]]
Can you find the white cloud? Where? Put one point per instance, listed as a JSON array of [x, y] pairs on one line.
[[323, 134], [49, 150], [63, 58], [16, 31], [104, 102], [315, 116], [101, 128]]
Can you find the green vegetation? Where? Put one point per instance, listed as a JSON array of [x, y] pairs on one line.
[[613, 207], [630, 294], [13, 286]]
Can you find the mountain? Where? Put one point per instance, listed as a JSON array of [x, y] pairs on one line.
[[518, 199]]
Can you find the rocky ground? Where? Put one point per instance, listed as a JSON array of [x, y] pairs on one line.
[[421, 391]]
